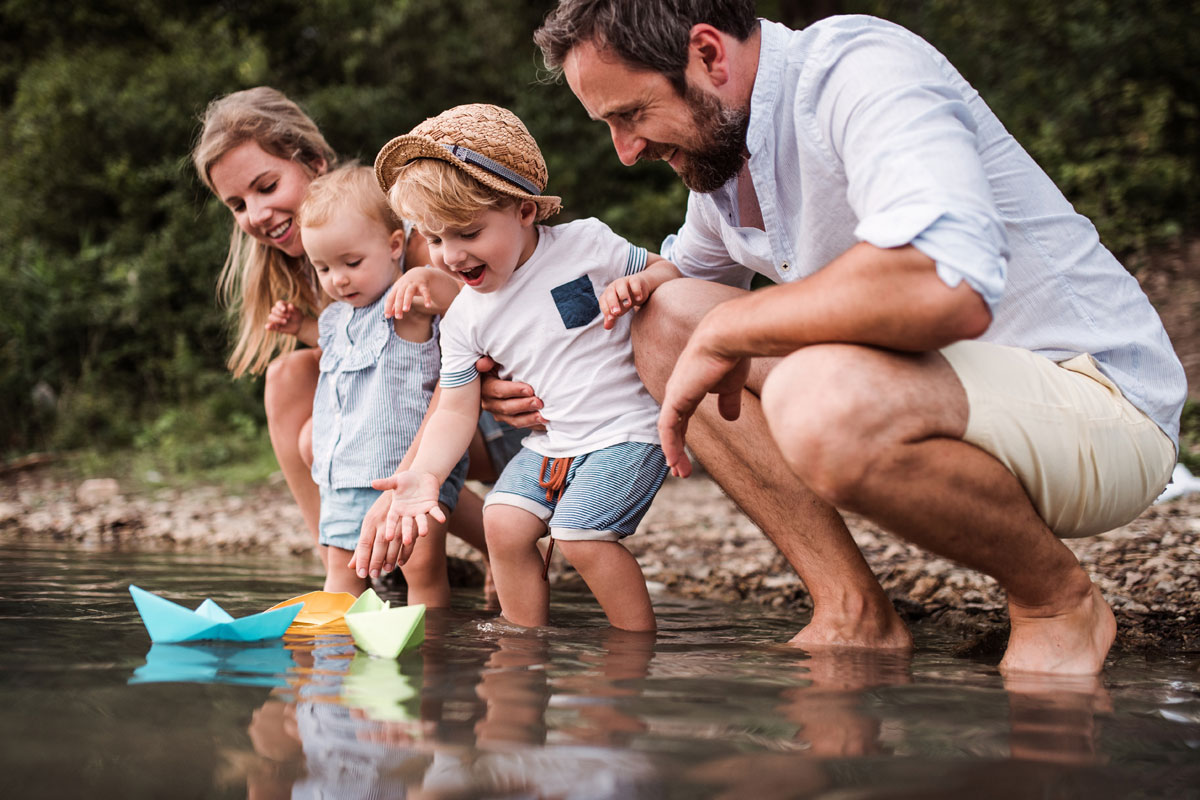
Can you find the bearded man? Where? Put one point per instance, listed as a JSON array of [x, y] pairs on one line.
[[950, 351]]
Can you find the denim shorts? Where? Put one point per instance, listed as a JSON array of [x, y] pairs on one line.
[[343, 510], [607, 493]]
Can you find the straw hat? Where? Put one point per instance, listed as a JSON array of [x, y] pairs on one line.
[[487, 142]]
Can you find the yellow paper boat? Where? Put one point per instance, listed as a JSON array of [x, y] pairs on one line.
[[384, 631], [319, 608]]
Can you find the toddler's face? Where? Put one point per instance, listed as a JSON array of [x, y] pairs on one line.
[[262, 192], [355, 257], [485, 252]]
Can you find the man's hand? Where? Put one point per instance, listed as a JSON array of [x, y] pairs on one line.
[[699, 371], [511, 402]]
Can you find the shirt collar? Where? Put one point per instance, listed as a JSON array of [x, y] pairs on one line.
[[773, 41]]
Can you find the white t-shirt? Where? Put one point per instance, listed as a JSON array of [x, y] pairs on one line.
[[544, 327]]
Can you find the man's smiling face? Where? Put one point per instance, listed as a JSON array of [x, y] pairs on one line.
[[703, 140]]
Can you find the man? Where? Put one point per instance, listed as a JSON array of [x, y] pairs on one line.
[[951, 352]]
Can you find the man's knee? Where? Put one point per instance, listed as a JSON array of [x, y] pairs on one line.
[[662, 327], [816, 419]]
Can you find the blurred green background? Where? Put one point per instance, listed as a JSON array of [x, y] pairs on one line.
[[111, 342]]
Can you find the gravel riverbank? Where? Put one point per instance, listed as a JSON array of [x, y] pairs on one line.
[[694, 542]]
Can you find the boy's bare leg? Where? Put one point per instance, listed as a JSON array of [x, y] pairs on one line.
[[338, 576], [849, 606], [291, 382], [879, 433], [512, 535], [616, 579], [425, 570]]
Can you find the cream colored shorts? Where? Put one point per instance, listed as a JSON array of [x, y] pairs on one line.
[[1088, 458]]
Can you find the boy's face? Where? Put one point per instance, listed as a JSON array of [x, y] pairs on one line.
[[485, 252], [355, 257]]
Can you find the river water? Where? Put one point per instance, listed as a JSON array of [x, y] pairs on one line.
[[713, 707]]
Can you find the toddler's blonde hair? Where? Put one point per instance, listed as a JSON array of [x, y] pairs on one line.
[[437, 195], [350, 185]]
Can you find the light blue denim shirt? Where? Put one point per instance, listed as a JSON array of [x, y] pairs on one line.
[[860, 131], [372, 393]]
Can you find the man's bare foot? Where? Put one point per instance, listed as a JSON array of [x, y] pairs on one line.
[[1058, 642], [884, 631]]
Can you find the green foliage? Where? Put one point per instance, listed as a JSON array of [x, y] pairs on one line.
[[110, 247]]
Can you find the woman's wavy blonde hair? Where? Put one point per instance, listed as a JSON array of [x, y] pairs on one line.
[[255, 275]]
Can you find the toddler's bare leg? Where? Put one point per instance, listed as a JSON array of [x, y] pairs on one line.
[[512, 535], [425, 570], [338, 576], [613, 575]]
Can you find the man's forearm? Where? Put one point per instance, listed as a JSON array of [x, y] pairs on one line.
[[885, 298]]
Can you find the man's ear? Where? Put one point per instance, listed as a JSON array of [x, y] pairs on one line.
[[707, 55]]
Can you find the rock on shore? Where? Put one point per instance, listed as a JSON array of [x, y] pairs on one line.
[[694, 542]]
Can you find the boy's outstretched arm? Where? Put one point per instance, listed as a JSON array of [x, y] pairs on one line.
[[414, 488], [425, 290], [286, 318], [629, 292]]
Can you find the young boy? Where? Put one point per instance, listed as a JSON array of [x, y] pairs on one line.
[[471, 179], [377, 374]]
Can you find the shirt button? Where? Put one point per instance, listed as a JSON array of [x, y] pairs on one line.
[[785, 266]]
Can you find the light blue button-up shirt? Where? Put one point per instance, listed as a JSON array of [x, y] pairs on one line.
[[862, 131]]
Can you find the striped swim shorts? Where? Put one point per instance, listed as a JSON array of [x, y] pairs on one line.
[[605, 495]]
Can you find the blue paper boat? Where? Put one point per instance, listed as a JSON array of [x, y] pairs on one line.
[[170, 622], [249, 665]]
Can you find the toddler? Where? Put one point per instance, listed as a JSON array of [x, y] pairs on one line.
[[377, 375], [472, 180]]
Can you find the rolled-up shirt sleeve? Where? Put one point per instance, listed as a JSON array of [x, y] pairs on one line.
[[906, 139]]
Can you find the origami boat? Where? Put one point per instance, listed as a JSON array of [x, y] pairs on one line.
[[383, 630], [319, 608], [170, 622]]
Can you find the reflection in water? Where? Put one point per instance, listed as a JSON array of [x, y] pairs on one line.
[[1054, 718], [713, 706]]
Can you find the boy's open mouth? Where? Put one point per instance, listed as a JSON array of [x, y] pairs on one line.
[[474, 275]]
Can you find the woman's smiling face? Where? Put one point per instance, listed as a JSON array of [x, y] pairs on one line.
[[262, 192]]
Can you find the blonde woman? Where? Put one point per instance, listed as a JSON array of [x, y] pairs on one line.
[[257, 152]]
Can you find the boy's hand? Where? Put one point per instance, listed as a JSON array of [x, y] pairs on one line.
[[434, 289], [623, 295], [414, 503], [284, 318]]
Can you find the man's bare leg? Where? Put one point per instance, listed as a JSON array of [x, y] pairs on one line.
[[879, 433], [849, 606]]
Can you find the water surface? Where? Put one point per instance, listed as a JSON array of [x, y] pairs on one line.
[[713, 707]]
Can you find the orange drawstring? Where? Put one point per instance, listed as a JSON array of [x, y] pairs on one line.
[[553, 479]]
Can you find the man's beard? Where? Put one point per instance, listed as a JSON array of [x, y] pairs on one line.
[[720, 147]]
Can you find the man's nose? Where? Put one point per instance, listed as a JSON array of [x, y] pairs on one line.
[[628, 146]]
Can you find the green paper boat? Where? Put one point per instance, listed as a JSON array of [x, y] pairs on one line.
[[379, 689], [384, 631]]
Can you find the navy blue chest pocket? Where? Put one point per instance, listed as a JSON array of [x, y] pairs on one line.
[[576, 302]]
